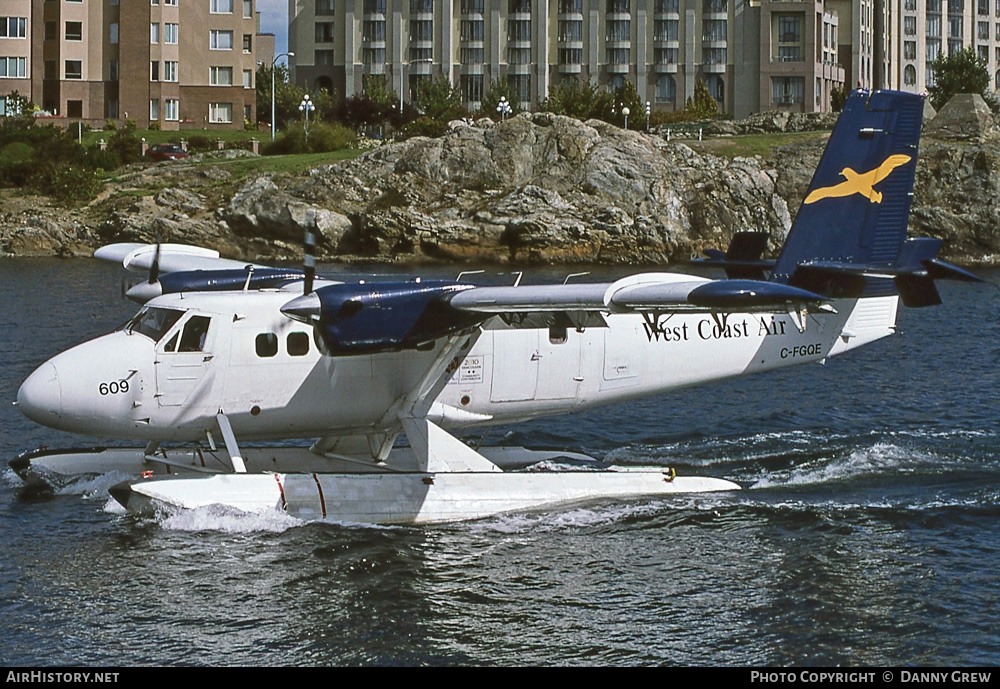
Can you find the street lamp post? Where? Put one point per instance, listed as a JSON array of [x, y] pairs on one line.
[[273, 63], [503, 107], [647, 116], [306, 106], [401, 66], [626, 111]]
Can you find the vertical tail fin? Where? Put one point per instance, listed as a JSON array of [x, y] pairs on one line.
[[858, 204]]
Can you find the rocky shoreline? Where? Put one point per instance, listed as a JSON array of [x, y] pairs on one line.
[[538, 188]]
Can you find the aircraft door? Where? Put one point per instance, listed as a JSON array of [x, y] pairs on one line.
[[183, 361], [558, 363], [515, 365]]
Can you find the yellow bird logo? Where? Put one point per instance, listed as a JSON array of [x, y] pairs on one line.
[[860, 182]]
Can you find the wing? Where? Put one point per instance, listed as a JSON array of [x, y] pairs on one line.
[[183, 268], [379, 317], [172, 257]]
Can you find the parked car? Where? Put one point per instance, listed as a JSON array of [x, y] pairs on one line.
[[166, 152]]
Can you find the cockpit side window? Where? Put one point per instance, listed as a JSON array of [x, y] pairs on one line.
[[153, 322], [195, 332]]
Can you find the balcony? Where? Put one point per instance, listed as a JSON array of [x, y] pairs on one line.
[[570, 69]]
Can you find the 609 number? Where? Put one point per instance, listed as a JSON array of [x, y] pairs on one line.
[[113, 388]]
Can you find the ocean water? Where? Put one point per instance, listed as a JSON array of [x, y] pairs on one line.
[[867, 533]]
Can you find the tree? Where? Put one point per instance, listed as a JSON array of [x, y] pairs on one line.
[[488, 106], [439, 99], [963, 72], [626, 96], [702, 106], [582, 100], [287, 95]]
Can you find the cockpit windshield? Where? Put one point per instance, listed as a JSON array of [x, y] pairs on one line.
[[153, 322]]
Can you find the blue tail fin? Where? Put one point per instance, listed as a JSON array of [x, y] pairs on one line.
[[858, 205]]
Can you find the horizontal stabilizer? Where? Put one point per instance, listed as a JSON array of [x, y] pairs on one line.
[[742, 260]]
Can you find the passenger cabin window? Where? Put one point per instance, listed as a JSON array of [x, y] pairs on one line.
[[298, 344], [153, 323], [267, 345], [557, 334], [195, 332]]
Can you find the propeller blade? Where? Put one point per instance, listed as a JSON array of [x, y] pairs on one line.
[[154, 269], [309, 259]]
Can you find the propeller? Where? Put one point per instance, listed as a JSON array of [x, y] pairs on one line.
[[144, 291], [309, 258]]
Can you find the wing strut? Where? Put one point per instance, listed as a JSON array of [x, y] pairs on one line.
[[234, 450]]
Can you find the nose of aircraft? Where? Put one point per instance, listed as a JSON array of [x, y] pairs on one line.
[[39, 397]]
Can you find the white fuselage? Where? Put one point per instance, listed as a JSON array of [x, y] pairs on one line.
[[266, 373]]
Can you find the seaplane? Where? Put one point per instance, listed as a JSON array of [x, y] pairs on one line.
[[223, 354]]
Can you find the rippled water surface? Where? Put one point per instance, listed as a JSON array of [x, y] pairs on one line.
[[867, 534]]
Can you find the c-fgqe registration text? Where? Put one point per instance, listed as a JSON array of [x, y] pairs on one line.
[[61, 677]]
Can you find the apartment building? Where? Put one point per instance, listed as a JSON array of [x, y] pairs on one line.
[[926, 29], [178, 63], [752, 54]]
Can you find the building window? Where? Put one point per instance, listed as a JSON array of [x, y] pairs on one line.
[[247, 43], [984, 31], [665, 56], [15, 67], [715, 30], [74, 31], [472, 56], [324, 32], [49, 69], [713, 56], [570, 56], [617, 56], [910, 26], [154, 109], [325, 8], [221, 7], [571, 6], [519, 86], [983, 8], [113, 33], [373, 30], [570, 30], [518, 56], [421, 55], [664, 6], [154, 32], [618, 30], [715, 6], [323, 57], [248, 9], [523, 6], [418, 6], [666, 89], [220, 113], [372, 6], [171, 109], [74, 69], [910, 50], [248, 78], [169, 71], [220, 76], [472, 29], [113, 70], [984, 52], [51, 31], [220, 40], [518, 29], [170, 34], [910, 5], [620, 6], [472, 6], [74, 108], [166, 3], [13, 27], [421, 30], [787, 90], [665, 29], [472, 88], [910, 75], [154, 70]]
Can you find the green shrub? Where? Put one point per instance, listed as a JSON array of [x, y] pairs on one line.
[[200, 144], [323, 138], [67, 183]]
